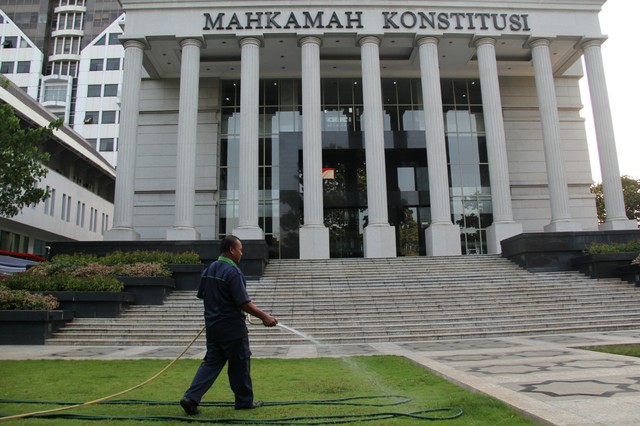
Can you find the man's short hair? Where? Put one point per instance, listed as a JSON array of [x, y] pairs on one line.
[[227, 243]]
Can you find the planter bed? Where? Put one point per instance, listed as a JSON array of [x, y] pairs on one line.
[[630, 273], [31, 327], [187, 277], [148, 290], [602, 265], [94, 304]]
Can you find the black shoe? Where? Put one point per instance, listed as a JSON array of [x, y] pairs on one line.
[[190, 407], [256, 404]]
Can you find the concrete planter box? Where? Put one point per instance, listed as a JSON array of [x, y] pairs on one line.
[[186, 277], [630, 273], [148, 290], [94, 304], [31, 327], [602, 265]]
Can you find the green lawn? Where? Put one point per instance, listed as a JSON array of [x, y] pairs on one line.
[[628, 350], [275, 381]]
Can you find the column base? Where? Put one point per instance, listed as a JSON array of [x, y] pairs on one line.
[[121, 234], [249, 233], [501, 231], [182, 234], [443, 239], [314, 242], [563, 226], [379, 241], [618, 225]]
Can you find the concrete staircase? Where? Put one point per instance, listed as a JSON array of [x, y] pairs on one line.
[[382, 300]]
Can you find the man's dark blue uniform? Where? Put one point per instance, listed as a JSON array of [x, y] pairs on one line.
[[225, 299]]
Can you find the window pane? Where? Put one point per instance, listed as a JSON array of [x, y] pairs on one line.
[[23, 67], [113, 64], [110, 90], [113, 39], [93, 91], [106, 144], [6, 67], [96, 65], [108, 117]]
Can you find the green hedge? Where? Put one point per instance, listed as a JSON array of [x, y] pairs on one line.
[[61, 282], [597, 248], [23, 300]]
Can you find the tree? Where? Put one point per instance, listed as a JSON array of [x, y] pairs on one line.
[[23, 164], [630, 193]]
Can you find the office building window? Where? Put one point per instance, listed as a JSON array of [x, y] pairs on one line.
[[6, 67], [10, 42], [106, 144], [113, 39], [101, 41], [23, 67], [91, 117], [108, 117], [113, 64], [96, 65], [92, 142], [93, 90], [110, 90]]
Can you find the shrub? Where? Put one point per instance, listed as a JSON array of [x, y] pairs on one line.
[[150, 256], [62, 282], [24, 300], [630, 246], [141, 269]]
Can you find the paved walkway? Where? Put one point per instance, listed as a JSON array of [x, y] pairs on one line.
[[547, 377]]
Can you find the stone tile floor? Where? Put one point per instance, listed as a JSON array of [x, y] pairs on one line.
[[548, 377]]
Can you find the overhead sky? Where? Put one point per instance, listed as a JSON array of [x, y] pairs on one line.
[[619, 21]]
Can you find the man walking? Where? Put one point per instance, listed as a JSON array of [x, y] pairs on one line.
[[225, 298]]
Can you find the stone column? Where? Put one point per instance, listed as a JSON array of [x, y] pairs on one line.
[[558, 191], [314, 236], [125, 175], [603, 123], [379, 237], [183, 228], [442, 236], [503, 225], [248, 228]]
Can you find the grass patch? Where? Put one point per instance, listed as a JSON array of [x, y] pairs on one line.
[[274, 380], [628, 350]]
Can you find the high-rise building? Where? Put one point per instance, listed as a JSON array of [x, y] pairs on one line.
[[64, 52]]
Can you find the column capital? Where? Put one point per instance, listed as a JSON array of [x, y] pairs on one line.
[[135, 43], [191, 41], [481, 41], [250, 40], [369, 39], [588, 42], [310, 39], [538, 42], [427, 40]]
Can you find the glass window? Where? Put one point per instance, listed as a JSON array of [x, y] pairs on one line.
[[108, 117], [57, 93], [23, 67], [113, 64], [6, 67], [10, 42], [91, 117], [113, 39], [96, 65], [101, 41], [93, 90], [106, 144], [93, 142], [110, 90]]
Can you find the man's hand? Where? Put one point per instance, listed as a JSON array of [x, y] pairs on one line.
[[269, 321]]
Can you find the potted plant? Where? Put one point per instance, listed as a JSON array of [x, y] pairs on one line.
[[603, 260]]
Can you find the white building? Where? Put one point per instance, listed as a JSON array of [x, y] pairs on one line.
[[447, 127], [81, 183]]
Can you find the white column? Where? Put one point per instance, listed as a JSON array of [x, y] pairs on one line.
[[183, 228], [314, 236], [503, 224], [609, 168], [442, 236], [125, 175], [248, 228], [558, 191], [379, 237]]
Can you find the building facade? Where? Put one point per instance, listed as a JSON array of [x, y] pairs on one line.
[[66, 54], [81, 185]]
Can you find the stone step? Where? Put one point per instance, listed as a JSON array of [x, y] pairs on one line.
[[388, 300]]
